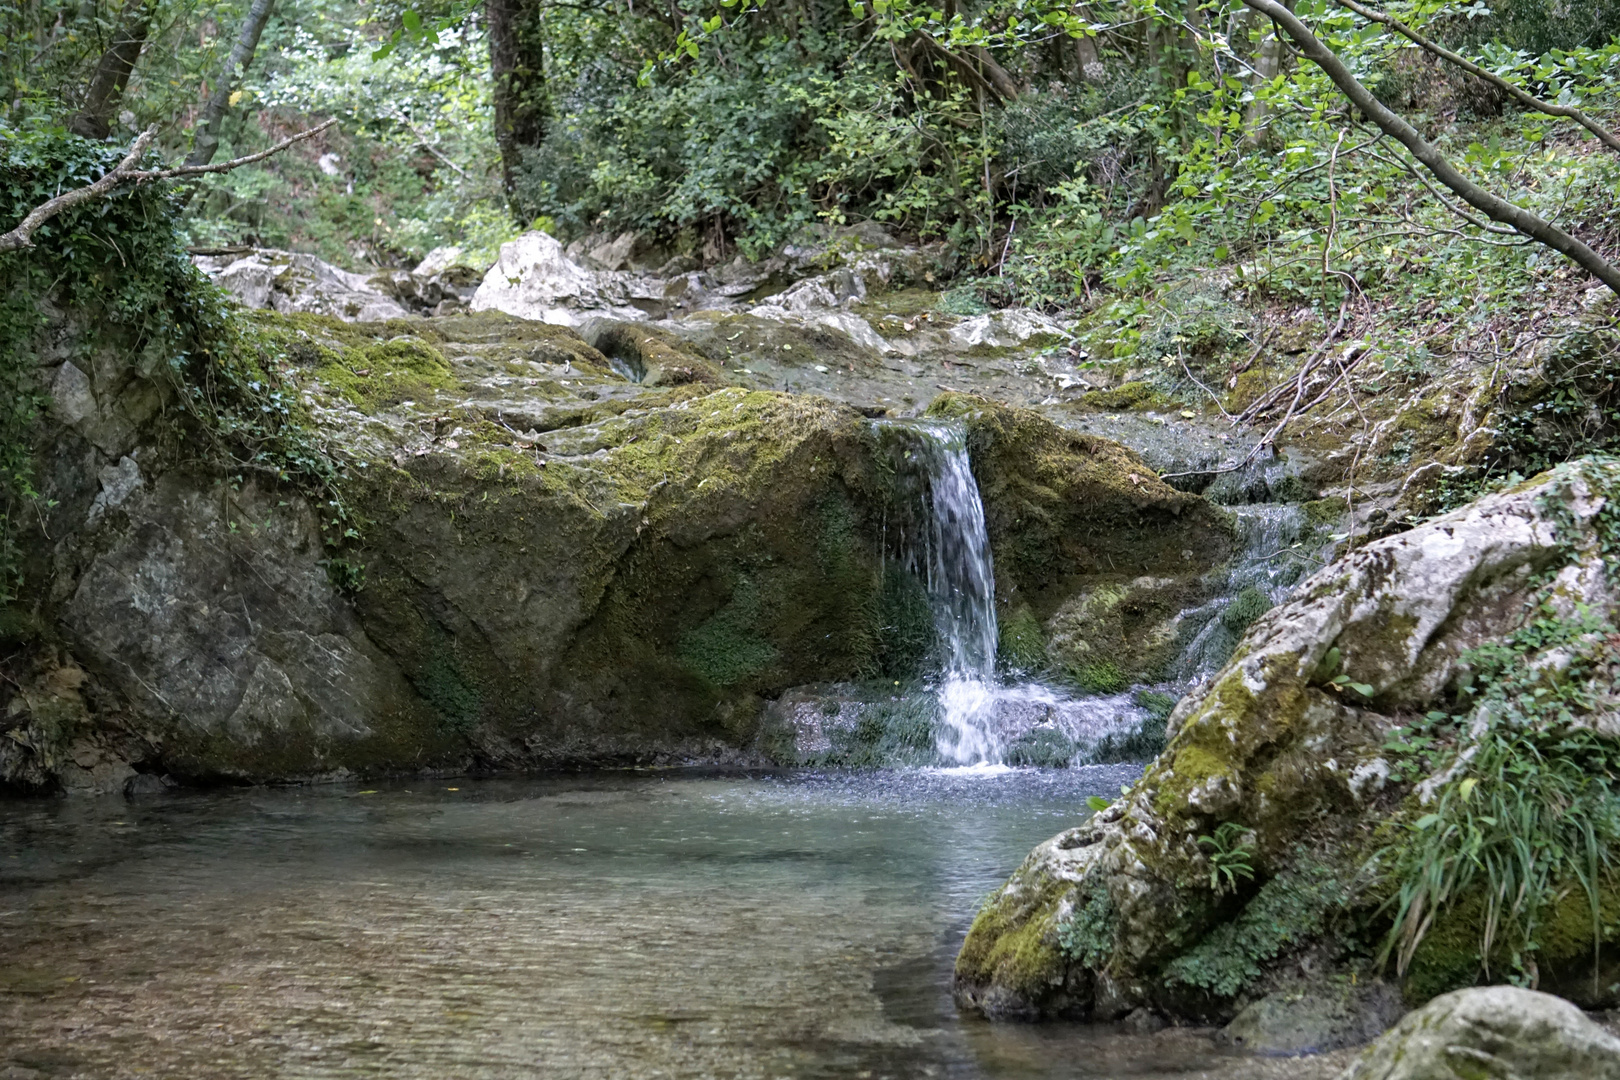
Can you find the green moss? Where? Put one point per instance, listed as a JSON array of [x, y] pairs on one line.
[[1123, 398], [1013, 941], [1247, 606], [1021, 644], [1326, 511], [896, 731], [1100, 677], [387, 373], [729, 646], [458, 703], [905, 625]]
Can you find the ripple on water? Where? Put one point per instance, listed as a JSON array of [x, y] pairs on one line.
[[617, 925]]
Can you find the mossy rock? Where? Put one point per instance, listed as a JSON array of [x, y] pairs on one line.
[[1124, 398], [1061, 505], [1115, 632]]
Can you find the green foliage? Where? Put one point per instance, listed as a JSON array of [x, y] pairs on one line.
[[1229, 855], [762, 136], [1288, 911], [1087, 935], [1530, 803]]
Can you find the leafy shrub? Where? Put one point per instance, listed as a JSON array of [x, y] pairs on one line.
[[1531, 805]]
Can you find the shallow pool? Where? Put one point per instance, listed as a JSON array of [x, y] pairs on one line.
[[637, 924]]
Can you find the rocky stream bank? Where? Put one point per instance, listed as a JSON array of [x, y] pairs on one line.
[[584, 513]]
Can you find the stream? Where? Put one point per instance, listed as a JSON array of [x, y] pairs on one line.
[[637, 924]]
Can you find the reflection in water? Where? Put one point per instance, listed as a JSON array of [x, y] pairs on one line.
[[622, 925]]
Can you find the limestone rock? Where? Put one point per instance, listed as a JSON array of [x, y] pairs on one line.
[[1315, 1019], [295, 282], [1492, 1031], [1269, 744], [535, 279]]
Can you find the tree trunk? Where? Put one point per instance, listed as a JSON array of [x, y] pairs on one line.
[[1267, 65], [516, 59], [94, 118], [213, 114]]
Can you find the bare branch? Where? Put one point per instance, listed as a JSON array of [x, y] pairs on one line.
[[180, 172], [1493, 206], [125, 172], [22, 235], [1528, 100]]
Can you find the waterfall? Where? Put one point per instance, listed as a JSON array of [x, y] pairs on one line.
[[961, 585], [939, 534]]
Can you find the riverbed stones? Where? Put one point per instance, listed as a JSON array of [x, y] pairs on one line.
[[1315, 1018], [1492, 1031]]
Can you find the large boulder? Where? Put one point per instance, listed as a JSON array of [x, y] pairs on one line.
[[529, 558], [1277, 768], [1492, 1031]]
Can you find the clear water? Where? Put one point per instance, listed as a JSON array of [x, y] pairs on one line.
[[668, 925]]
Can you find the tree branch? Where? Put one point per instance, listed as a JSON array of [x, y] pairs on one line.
[[1528, 100], [125, 172], [1493, 206], [20, 237]]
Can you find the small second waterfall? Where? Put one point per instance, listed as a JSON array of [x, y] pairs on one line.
[[960, 577]]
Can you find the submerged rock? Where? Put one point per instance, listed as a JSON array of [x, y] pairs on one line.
[[1285, 748], [1492, 1031]]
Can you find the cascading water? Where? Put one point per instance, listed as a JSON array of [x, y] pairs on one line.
[[961, 585], [940, 537]]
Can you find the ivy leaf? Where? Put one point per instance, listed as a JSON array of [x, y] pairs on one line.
[[1097, 802]]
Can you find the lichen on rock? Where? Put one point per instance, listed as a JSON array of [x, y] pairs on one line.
[[1288, 744]]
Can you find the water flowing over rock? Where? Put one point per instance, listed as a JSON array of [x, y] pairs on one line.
[[566, 557], [961, 584]]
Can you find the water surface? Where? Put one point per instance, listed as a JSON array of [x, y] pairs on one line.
[[672, 925]]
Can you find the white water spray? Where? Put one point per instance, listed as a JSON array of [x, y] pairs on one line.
[[961, 586], [980, 716]]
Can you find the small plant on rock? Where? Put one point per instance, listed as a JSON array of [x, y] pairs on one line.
[[1230, 856]]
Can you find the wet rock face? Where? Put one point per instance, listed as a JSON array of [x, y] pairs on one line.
[[1491, 1031], [1129, 910], [568, 555]]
